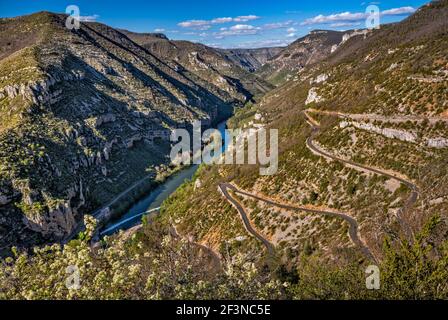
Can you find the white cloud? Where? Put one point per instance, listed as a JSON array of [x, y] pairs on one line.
[[195, 24], [221, 20], [291, 32], [247, 29], [206, 24], [159, 30], [398, 11], [345, 16], [246, 18], [354, 17], [242, 27], [237, 30]]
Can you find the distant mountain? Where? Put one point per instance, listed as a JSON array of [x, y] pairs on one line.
[[251, 59], [85, 114], [310, 49]]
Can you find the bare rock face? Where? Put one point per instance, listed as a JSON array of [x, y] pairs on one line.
[[402, 135], [11, 91], [197, 184], [104, 214], [4, 200], [438, 143], [313, 97], [39, 92], [347, 36], [320, 78], [108, 149], [59, 222], [130, 142], [104, 119]]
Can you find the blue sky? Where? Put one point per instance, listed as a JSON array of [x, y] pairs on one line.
[[229, 23]]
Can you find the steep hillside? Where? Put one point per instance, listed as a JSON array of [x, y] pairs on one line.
[[310, 49], [203, 64], [363, 153], [86, 114], [400, 69], [251, 59]]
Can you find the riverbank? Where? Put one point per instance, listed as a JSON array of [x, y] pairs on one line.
[[143, 199], [151, 199]]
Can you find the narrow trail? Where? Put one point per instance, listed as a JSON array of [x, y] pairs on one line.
[[353, 224], [412, 199], [224, 188]]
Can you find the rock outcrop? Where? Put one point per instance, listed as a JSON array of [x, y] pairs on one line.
[[4, 199], [439, 143], [313, 97], [61, 220], [387, 132]]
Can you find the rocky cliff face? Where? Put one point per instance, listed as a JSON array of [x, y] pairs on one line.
[[400, 134], [86, 113], [60, 220]]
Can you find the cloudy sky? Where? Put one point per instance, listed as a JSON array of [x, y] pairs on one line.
[[230, 23]]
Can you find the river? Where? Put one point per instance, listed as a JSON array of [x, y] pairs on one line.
[[155, 198]]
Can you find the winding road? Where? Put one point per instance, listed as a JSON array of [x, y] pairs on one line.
[[414, 188], [224, 188], [354, 227]]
